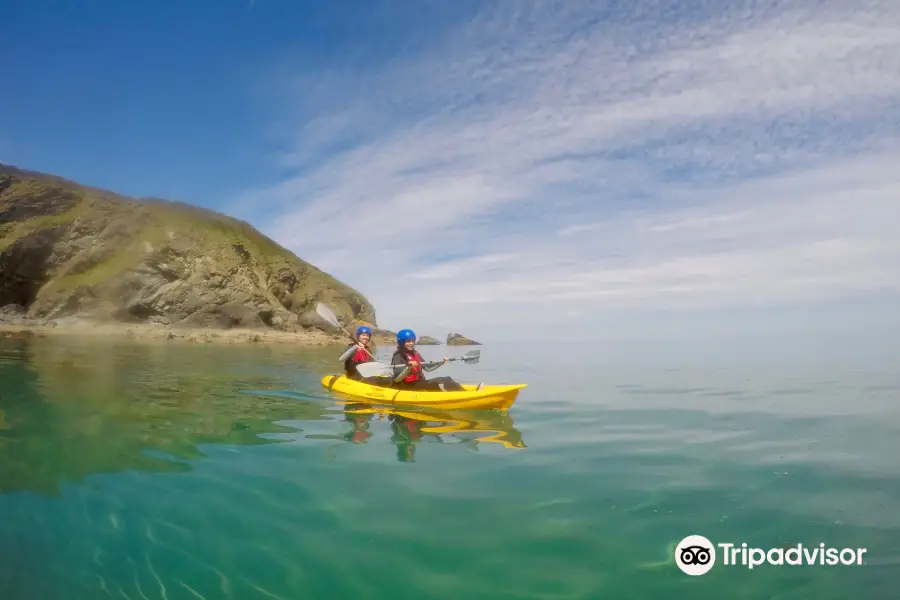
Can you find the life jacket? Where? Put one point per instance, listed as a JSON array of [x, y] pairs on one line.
[[360, 356], [415, 373]]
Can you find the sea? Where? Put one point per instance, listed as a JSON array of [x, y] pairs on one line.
[[167, 470]]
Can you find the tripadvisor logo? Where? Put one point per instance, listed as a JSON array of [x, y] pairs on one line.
[[696, 555]]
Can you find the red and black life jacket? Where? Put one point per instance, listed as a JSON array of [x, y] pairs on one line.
[[415, 373], [360, 356]]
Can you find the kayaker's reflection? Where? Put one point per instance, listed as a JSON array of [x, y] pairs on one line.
[[361, 422], [406, 433], [360, 418], [469, 429]]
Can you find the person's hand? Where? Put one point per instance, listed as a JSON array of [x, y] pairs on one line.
[[446, 359], [413, 363], [360, 345]]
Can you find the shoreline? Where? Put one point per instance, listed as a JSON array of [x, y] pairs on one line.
[[157, 332]]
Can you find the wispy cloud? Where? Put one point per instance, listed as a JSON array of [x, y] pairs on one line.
[[600, 157]]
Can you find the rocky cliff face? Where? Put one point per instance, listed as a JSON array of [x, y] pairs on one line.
[[70, 250]]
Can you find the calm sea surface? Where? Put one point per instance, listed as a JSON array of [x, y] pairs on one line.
[[169, 471]]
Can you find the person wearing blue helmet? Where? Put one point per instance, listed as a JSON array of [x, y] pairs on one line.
[[410, 367], [357, 353]]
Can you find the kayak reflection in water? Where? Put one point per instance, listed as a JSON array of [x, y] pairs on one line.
[[468, 428], [411, 376], [359, 353], [406, 433]]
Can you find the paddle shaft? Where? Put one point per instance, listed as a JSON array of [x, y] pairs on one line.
[[386, 368], [440, 362]]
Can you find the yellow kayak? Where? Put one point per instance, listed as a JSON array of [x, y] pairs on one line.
[[490, 396]]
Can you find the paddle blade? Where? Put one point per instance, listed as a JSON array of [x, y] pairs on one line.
[[327, 314], [375, 369], [472, 357]]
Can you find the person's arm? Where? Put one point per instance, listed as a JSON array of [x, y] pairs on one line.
[[347, 353], [434, 365], [397, 362]]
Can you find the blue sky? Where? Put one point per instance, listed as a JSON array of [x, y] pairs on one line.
[[514, 170]]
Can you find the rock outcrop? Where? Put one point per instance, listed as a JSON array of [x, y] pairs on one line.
[[69, 250], [426, 340], [12, 314], [456, 339]]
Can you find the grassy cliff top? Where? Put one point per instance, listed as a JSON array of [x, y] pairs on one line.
[[61, 240]]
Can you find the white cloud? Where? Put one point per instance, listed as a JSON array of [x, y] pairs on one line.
[[742, 158]]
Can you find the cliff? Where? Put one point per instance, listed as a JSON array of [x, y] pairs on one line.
[[67, 250]]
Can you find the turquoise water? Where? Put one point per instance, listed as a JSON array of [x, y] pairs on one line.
[[182, 471]]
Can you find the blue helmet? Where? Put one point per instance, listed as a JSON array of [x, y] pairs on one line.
[[405, 334], [363, 329]]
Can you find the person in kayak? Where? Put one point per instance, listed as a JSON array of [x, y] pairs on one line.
[[359, 353], [409, 366]]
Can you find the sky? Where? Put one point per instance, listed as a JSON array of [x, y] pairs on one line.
[[532, 171]]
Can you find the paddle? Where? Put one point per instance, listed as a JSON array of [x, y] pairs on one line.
[[377, 369], [327, 314]]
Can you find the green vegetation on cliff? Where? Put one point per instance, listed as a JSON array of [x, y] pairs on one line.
[[71, 250]]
